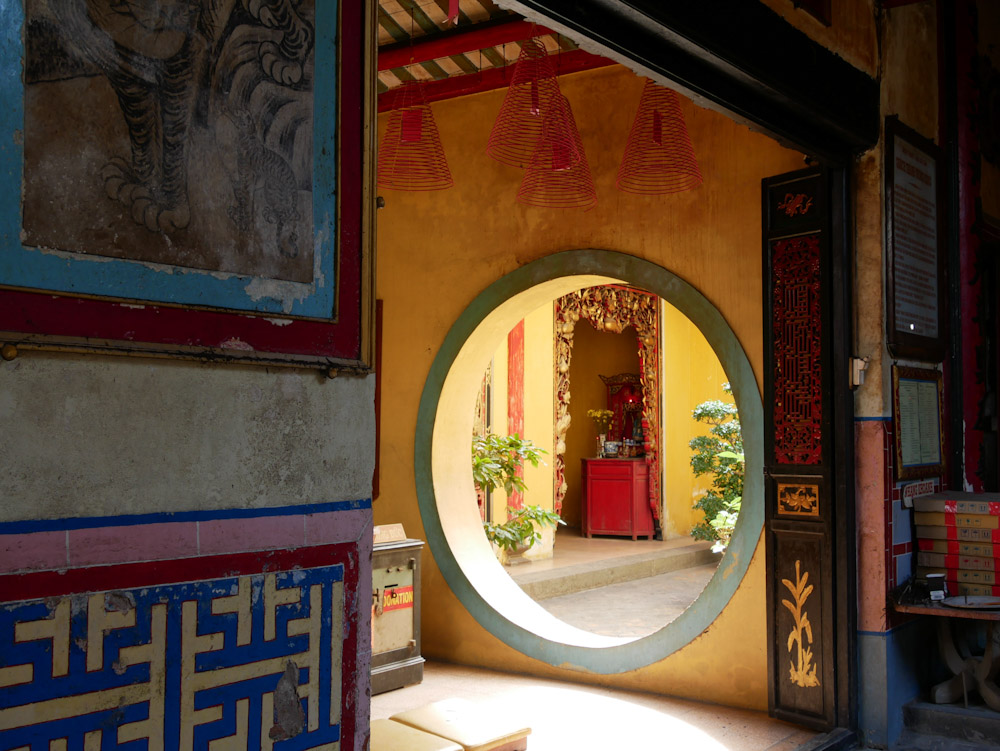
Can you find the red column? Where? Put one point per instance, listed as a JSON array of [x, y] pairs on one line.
[[515, 394]]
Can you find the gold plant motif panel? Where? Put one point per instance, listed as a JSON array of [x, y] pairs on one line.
[[795, 499], [802, 673]]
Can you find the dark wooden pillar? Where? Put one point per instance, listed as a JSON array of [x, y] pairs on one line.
[[802, 330]]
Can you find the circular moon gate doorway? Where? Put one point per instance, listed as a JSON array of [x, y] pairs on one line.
[[444, 472]]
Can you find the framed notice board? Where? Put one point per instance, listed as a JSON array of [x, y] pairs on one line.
[[917, 422], [914, 211]]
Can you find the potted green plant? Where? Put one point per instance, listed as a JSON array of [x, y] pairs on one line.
[[719, 455], [602, 422], [521, 530], [496, 460]]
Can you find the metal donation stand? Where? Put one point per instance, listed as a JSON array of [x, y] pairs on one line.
[[396, 660]]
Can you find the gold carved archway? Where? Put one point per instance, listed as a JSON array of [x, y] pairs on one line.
[[610, 308]]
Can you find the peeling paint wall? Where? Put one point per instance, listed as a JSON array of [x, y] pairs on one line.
[[852, 33], [909, 70], [99, 436], [185, 480]]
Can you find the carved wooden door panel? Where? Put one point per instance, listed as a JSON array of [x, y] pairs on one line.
[[798, 409]]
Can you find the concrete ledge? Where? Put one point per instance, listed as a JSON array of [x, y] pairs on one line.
[[540, 585], [948, 725]]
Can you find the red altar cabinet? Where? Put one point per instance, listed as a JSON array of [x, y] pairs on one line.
[[616, 498]]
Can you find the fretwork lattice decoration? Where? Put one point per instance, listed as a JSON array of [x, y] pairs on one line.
[[798, 397]]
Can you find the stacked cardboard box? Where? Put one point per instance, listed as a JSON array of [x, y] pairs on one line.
[[958, 535]]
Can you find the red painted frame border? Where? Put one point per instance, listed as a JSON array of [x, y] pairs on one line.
[[48, 320]]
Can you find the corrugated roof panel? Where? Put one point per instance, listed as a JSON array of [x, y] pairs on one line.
[[464, 63], [449, 67], [388, 79], [389, 29], [403, 20], [420, 72]]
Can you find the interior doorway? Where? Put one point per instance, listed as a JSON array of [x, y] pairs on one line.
[[711, 238], [452, 520], [630, 407]]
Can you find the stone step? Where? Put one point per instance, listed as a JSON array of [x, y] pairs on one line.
[[936, 727], [540, 585]]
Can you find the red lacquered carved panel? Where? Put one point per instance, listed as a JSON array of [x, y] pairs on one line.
[[798, 398]]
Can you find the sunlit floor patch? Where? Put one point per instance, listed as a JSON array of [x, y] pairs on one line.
[[567, 716]]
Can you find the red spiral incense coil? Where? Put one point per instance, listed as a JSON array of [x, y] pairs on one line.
[[558, 176], [659, 157], [410, 153], [532, 94]]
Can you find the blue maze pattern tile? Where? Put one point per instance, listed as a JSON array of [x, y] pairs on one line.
[[248, 662]]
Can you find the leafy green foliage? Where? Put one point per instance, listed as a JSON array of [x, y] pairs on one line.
[[522, 527], [724, 522], [719, 454], [496, 459], [495, 462]]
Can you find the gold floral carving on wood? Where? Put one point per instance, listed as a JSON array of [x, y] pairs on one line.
[[803, 672], [796, 499], [609, 308], [796, 203]]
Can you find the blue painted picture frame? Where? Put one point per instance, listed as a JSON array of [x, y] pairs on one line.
[[57, 299]]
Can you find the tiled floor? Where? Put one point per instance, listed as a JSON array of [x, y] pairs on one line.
[[606, 575], [640, 607], [571, 717]]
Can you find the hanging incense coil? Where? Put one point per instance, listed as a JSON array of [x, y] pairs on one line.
[[659, 157], [556, 178], [533, 93], [410, 153]]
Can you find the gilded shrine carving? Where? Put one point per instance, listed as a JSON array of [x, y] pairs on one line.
[[609, 308]]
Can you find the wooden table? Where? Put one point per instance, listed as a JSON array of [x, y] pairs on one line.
[[971, 671], [615, 499]]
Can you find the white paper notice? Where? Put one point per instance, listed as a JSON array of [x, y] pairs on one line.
[[919, 422], [914, 234]]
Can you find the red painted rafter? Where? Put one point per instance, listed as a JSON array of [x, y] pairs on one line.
[[478, 37], [492, 78]]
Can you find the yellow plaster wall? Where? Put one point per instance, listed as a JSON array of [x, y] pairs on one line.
[[437, 251], [538, 407], [538, 402], [691, 375], [595, 353], [852, 34], [910, 67]]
